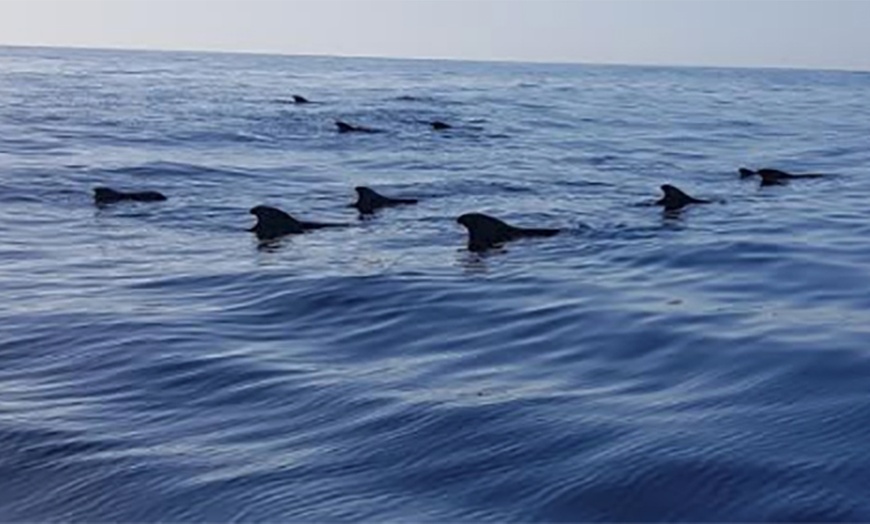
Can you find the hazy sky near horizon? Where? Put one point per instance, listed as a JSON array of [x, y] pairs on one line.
[[780, 33]]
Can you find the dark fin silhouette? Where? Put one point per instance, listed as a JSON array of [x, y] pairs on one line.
[[485, 232], [344, 127], [675, 198], [299, 99], [369, 200], [438, 125], [273, 223], [773, 173], [307, 226], [531, 232], [772, 177], [107, 195]]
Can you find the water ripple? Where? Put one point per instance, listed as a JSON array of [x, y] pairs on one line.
[[158, 363]]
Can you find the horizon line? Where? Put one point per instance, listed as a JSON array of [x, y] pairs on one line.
[[89, 47]]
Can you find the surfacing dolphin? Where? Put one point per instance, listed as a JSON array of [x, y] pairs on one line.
[[369, 200], [774, 177], [299, 99], [485, 232], [107, 195], [675, 198], [273, 223], [438, 125], [344, 127]]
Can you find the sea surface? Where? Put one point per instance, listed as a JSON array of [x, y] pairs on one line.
[[158, 363]]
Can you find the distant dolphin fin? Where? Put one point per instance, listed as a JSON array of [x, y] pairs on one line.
[[369, 200], [485, 232], [107, 195], [344, 127], [676, 198], [273, 223]]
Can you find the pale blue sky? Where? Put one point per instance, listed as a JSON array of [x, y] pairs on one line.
[[780, 33]]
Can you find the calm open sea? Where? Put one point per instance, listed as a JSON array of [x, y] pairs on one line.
[[157, 364]]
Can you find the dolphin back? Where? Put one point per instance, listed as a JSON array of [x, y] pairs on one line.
[[318, 225], [536, 232], [107, 195], [370, 200]]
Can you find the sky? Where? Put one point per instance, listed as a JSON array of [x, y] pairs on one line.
[[824, 34]]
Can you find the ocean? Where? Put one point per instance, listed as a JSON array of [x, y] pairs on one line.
[[158, 363]]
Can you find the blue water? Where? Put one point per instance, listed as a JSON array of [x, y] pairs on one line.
[[156, 363]]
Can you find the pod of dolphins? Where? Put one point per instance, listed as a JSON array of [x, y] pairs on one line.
[[484, 232]]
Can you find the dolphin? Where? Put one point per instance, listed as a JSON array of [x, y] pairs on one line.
[[438, 125], [676, 199], [107, 195], [299, 99], [773, 177], [368, 200], [274, 223], [344, 127], [485, 232]]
